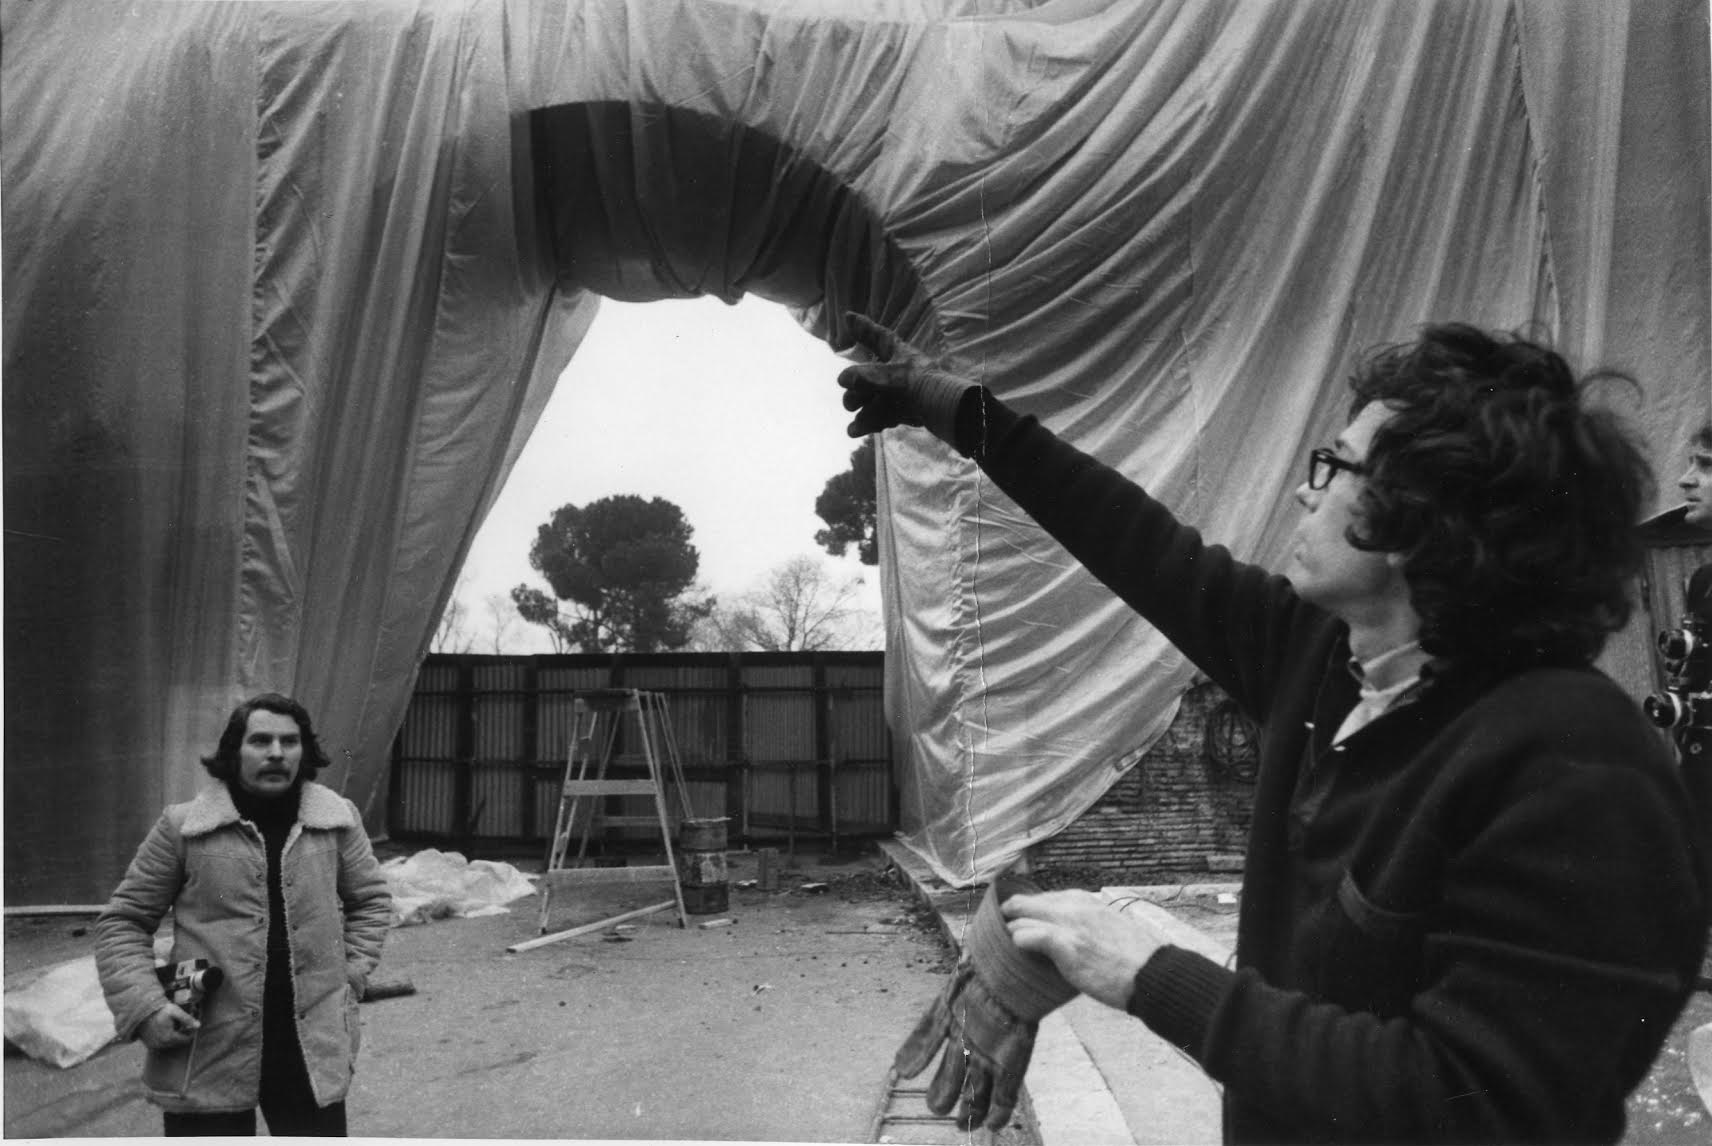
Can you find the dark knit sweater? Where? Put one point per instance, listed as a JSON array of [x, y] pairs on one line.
[[274, 817], [1473, 920]]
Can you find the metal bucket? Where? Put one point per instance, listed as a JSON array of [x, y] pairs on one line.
[[702, 873]]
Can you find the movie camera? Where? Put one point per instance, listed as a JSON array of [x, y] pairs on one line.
[[188, 982], [1685, 703]]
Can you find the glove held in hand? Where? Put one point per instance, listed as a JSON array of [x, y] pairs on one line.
[[987, 1030]]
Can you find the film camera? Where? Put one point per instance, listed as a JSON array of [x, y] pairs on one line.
[[1685, 704], [188, 982]]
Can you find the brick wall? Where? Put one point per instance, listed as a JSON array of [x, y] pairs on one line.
[[1181, 814]]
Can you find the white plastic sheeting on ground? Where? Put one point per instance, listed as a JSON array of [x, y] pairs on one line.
[[59, 1016], [432, 885], [286, 285]]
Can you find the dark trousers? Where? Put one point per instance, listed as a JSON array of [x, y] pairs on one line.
[[287, 1100]]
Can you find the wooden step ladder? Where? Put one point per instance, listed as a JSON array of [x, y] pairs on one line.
[[596, 719]]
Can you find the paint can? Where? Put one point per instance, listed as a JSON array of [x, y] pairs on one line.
[[702, 873]]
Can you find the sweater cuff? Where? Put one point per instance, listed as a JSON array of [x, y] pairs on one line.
[[1176, 993], [939, 398], [977, 411]]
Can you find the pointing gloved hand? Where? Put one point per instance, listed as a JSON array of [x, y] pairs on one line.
[[902, 387], [986, 1019]]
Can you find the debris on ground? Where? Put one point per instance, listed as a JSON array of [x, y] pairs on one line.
[[377, 989], [712, 923]]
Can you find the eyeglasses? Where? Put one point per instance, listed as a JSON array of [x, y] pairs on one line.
[[1323, 465]]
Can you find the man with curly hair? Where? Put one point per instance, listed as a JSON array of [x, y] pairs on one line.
[[271, 880], [1474, 900], [1696, 480]]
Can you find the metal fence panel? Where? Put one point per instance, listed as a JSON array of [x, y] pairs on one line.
[[764, 676], [779, 726], [430, 729], [423, 797], [864, 794], [776, 742]]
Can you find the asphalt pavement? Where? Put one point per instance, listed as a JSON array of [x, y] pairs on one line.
[[774, 1021]]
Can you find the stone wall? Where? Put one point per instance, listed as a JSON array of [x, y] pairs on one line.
[[1180, 814]]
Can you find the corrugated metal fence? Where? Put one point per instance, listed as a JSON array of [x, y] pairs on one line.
[[786, 745]]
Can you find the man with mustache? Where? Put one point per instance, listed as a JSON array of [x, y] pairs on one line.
[[1474, 899], [271, 881]]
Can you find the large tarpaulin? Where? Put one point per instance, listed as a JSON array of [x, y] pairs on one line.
[[286, 284]]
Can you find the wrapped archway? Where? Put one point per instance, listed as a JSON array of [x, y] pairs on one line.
[[287, 285]]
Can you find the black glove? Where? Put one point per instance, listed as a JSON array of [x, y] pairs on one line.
[[988, 1040], [902, 387]]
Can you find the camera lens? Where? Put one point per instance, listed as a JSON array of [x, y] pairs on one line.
[[1664, 709], [1676, 644]]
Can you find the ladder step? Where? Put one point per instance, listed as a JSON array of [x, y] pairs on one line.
[[630, 821], [609, 788], [568, 876]]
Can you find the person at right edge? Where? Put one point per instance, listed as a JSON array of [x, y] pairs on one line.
[[1473, 900], [1687, 710]]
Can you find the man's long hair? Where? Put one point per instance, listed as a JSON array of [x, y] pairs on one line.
[[223, 764], [1512, 501]]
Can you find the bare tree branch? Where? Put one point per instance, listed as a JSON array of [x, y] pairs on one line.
[[798, 607]]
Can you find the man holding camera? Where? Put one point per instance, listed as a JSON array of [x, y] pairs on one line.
[[1691, 671], [1474, 900], [1684, 706], [279, 913]]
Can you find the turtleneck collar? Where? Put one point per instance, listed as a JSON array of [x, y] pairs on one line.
[[266, 809]]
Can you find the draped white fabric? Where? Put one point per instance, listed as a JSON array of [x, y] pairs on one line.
[[286, 284]]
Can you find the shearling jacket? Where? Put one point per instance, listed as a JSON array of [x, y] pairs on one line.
[[209, 866], [1475, 919]]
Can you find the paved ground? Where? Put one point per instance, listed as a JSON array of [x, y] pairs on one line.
[[777, 1028]]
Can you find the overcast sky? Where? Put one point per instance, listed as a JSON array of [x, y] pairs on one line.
[[731, 412]]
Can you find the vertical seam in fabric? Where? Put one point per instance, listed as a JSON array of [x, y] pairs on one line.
[[975, 569]]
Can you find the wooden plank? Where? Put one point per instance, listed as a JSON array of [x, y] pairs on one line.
[[572, 876], [543, 940], [58, 909], [609, 787]]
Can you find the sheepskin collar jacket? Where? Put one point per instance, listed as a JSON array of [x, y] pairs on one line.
[[318, 807], [208, 865]]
